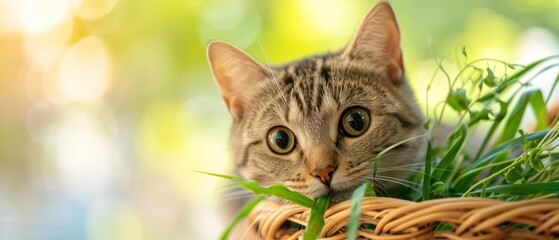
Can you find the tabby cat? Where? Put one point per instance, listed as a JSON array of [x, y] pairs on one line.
[[315, 125]]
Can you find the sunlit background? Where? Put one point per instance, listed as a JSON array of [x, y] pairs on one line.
[[106, 106]]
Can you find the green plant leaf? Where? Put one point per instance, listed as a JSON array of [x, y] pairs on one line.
[[512, 66], [438, 187], [316, 219], [504, 85], [535, 161], [502, 157], [498, 119], [504, 106], [552, 89], [512, 175], [426, 191], [370, 191], [240, 215], [236, 178], [476, 116], [535, 98], [444, 227], [515, 77], [449, 157], [489, 80], [355, 207], [508, 146], [279, 191], [458, 100], [467, 179], [490, 96], [524, 188]]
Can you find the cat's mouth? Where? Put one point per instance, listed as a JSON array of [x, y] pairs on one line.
[[336, 194], [340, 196]]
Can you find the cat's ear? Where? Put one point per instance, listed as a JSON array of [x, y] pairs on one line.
[[235, 73], [378, 40]]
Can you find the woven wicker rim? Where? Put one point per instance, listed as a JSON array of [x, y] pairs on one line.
[[471, 218]]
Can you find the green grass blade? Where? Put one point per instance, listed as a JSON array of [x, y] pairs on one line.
[[241, 214], [538, 105], [515, 77], [426, 191], [535, 99], [316, 219], [498, 119], [236, 178], [512, 79], [552, 89], [523, 189], [449, 157], [507, 146], [467, 179], [279, 191], [483, 192], [356, 201], [497, 161], [370, 191]]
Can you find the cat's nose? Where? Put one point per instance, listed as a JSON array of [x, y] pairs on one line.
[[325, 174]]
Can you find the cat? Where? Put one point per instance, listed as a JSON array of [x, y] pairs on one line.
[[315, 125]]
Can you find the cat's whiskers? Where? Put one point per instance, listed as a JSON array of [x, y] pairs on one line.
[[381, 186], [238, 194], [275, 80], [266, 213], [398, 169], [237, 198], [231, 184], [398, 181], [421, 164], [411, 170]]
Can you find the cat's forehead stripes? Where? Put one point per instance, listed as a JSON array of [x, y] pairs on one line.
[[310, 87], [306, 82]]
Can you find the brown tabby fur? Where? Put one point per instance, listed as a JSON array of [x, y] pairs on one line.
[[308, 97]]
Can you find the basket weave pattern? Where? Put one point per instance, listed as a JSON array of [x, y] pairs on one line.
[[471, 218]]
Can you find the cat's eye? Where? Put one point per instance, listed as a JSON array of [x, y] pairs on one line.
[[354, 122], [281, 140]]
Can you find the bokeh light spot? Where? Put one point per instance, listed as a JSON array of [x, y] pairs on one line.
[[84, 155], [9, 16], [230, 21], [85, 71], [93, 9], [329, 17], [41, 46], [40, 15]]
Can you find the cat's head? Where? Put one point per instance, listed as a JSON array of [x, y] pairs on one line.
[[316, 125]]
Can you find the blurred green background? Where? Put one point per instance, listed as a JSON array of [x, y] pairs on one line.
[[106, 106]]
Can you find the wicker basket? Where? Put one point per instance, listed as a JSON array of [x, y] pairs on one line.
[[471, 218]]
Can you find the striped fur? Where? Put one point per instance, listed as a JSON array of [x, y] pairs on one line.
[[308, 97]]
